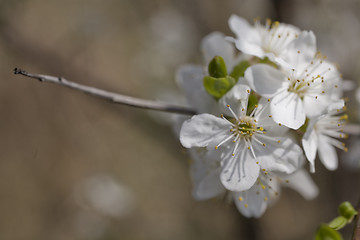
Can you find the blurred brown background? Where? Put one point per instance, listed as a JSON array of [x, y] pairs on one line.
[[76, 167]]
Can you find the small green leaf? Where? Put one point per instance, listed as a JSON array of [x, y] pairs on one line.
[[304, 126], [324, 232], [266, 60], [338, 223], [347, 210], [218, 87], [239, 70], [217, 67], [252, 102]]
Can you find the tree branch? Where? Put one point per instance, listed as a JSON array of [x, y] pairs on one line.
[[113, 97]]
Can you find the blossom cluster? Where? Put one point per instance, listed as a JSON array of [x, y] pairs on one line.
[[266, 100]]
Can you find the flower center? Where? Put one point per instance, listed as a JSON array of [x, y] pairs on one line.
[[245, 127]]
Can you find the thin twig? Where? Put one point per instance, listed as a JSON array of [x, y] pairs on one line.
[[113, 97], [356, 232]]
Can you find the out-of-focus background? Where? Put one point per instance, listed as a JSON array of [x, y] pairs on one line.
[[76, 167]]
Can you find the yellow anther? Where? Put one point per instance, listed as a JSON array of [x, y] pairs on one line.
[[316, 97], [336, 86], [345, 149], [233, 154], [246, 205], [263, 187], [279, 124], [228, 105], [248, 91], [268, 21], [264, 144], [216, 147], [257, 162], [264, 169], [322, 91], [308, 84], [298, 51], [298, 80], [279, 36], [344, 117], [270, 116], [222, 115], [265, 198], [241, 199], [278, 141], [287, 181], [289, 79], [243, 109], [268, 99], [249, 148]]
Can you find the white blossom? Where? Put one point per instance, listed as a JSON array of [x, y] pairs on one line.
[[205, 171], [270, 40], [320, 137], [266, 191], [304, 90], [248, 143]]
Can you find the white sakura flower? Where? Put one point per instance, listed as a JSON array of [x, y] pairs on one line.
[[305, 90], [320, 136], [205, 172], [269, 41], [266, 191], [248, 143]]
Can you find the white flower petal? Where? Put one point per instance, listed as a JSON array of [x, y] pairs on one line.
[[205, 173], [310, 144], [215, 44], [201, 130], [240, 172], [237, 99], [301, 50], [190, 79], [265, 80], [284, 156], [303, 184], [316, 106], [262, 117], [248, 39], [255, 204], [287, 109], [209, 187], [327, 153]]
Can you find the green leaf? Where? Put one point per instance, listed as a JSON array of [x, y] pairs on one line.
[[252, 102], [324, 232], [217, 67], [218, 87], [347, 210], [266, 60], [338, 223], [239, 70], [304, 126]]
